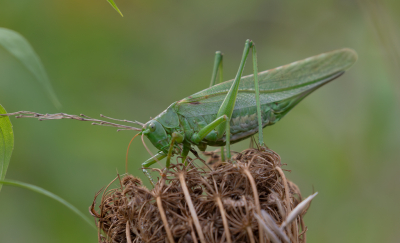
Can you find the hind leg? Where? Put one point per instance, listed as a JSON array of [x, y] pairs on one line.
[[228, 104]]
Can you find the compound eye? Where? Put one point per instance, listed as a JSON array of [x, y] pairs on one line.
[[152, 126]]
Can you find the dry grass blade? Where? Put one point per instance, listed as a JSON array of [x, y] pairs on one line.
[[271, 223], [224, 220], [191, 207], [256, 199], [164, 219], [298, 210], [268, 231], [128, 232]]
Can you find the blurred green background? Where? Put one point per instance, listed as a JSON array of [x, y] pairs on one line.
[[343, 140]]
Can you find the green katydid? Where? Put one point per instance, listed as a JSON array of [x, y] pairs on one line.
[[234, 110]]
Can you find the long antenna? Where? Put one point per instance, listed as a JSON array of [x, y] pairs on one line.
[[81, 117]]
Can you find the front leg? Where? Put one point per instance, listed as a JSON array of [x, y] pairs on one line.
[[159, 156]]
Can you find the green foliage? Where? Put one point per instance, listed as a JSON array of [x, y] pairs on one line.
[[20, 48], [6, 143], [51, 195], [115, 6]]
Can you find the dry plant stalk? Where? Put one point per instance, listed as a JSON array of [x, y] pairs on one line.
[[245, 201]]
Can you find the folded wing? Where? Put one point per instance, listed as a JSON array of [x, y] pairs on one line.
[[291, 82]]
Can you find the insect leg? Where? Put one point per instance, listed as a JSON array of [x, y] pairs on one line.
[[228, 141], [222, 153], [185, 152], [176, 137], [257, 93], [228, 104], [217, 67], [197, 137], [159, 156]]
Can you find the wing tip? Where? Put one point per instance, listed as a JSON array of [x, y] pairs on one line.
[[350, 56], [351, 53]]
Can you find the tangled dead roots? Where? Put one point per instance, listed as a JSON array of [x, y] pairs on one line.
[[232, 202]]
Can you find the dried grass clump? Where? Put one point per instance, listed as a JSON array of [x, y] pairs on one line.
[[249, 200]]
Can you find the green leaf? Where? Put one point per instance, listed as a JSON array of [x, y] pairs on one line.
[[115, 6], [20, 48], [51, 195], [6, 143]]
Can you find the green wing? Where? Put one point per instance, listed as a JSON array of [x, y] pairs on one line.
[[285, 85]]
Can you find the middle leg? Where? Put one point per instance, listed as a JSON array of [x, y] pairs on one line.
[[176, 137], [217, 67]]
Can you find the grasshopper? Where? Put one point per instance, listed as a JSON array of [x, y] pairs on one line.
[[234, 110]]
